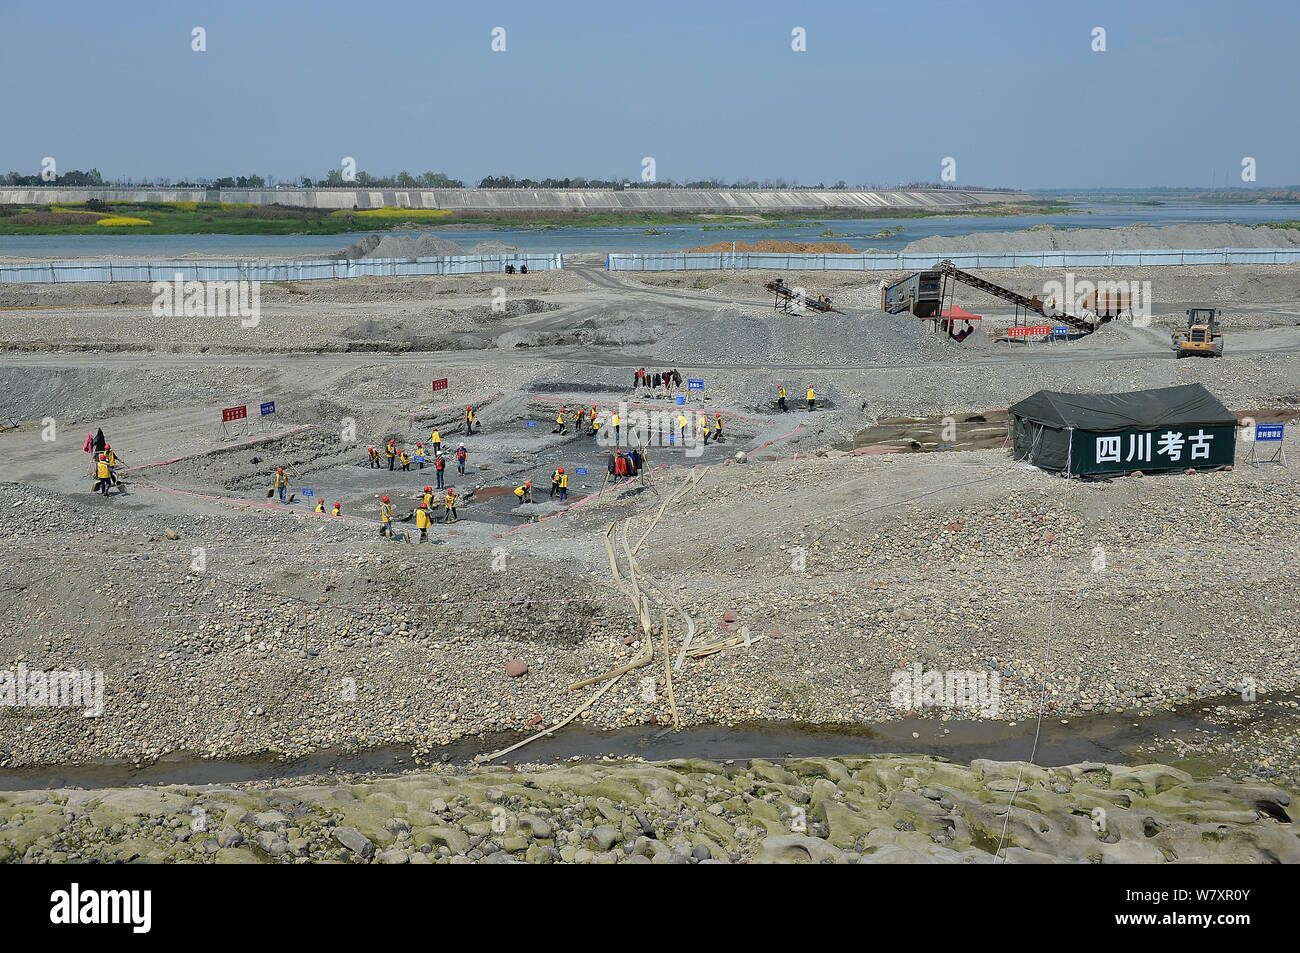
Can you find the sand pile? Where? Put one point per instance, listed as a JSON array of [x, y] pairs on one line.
[[421, 246], [772, 245], [1050, 238]]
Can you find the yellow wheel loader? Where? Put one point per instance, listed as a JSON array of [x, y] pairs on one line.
[[1202, 337]]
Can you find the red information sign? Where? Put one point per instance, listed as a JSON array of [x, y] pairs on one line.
[[234, 413], [1041, 329], [1017, 332], [440, 384]]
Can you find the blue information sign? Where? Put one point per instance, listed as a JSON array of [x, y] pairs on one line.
[[308, 492], [694, 383], [532, 423], [581, 471], [1061, 331], [268, 408], [1268, 433]]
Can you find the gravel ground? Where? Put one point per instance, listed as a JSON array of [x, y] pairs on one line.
[[303, 633], [1051, 238]]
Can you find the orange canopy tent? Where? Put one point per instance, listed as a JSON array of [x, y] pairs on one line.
[[958, 313]]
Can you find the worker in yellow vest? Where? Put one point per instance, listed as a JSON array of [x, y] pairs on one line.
[[577, 425], [702, 428], [563, 484], [595, 421], [524, 492], [103, 474], [385, 518], [281, 482], [373, 456], [449, 507], [780, 398], [559, 421], [812, 399], [423, 521], [320, 506], [435, 440], [427, 498], [390, 452], [404, 459], [419, 454], [681, 425], [614, 420], [717, 426], [335, 511]]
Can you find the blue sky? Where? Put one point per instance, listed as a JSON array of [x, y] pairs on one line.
[[1012, 91]]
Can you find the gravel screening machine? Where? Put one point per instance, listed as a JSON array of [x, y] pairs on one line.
[[790, 299], [922, 294]]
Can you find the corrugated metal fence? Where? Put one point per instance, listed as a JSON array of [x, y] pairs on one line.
[[728, 261], [58, 272]]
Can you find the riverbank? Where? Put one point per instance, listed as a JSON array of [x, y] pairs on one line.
[[218, 218], [811, 810]]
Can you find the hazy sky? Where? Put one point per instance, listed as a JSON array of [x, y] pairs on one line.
[[883, 93]]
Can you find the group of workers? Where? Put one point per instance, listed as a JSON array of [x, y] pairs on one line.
[[399, 457], [510, 269], [781, 395]]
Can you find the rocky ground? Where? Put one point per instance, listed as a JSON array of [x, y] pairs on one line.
[[295, 633], [808, 810]]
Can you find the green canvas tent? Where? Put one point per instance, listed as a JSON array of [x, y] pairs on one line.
[[1165, 428]]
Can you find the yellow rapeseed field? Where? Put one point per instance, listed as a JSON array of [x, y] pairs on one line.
[[392, 212], [112, 220]]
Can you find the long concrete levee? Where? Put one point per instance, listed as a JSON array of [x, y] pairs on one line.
[[734, 201]]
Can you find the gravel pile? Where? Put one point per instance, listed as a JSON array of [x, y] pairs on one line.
[[1051, 238]]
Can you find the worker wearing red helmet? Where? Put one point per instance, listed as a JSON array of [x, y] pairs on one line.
[[525, 492], [427, 498], [423, 520], [564, 484], [335, 511], [449, 507], [386, 518], [281, 482], [373, 454]]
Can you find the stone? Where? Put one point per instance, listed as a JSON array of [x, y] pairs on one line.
[[516, 667], [355, 841]]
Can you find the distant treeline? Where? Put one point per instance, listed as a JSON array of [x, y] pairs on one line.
[[438, 180]]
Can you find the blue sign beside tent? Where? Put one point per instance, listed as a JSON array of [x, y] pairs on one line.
[[1268, 433]]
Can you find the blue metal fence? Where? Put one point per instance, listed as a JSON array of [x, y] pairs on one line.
[[728, 261], [58, 272]]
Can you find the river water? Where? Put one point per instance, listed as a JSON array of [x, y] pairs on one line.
[[856, 233], [1113, 737]]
